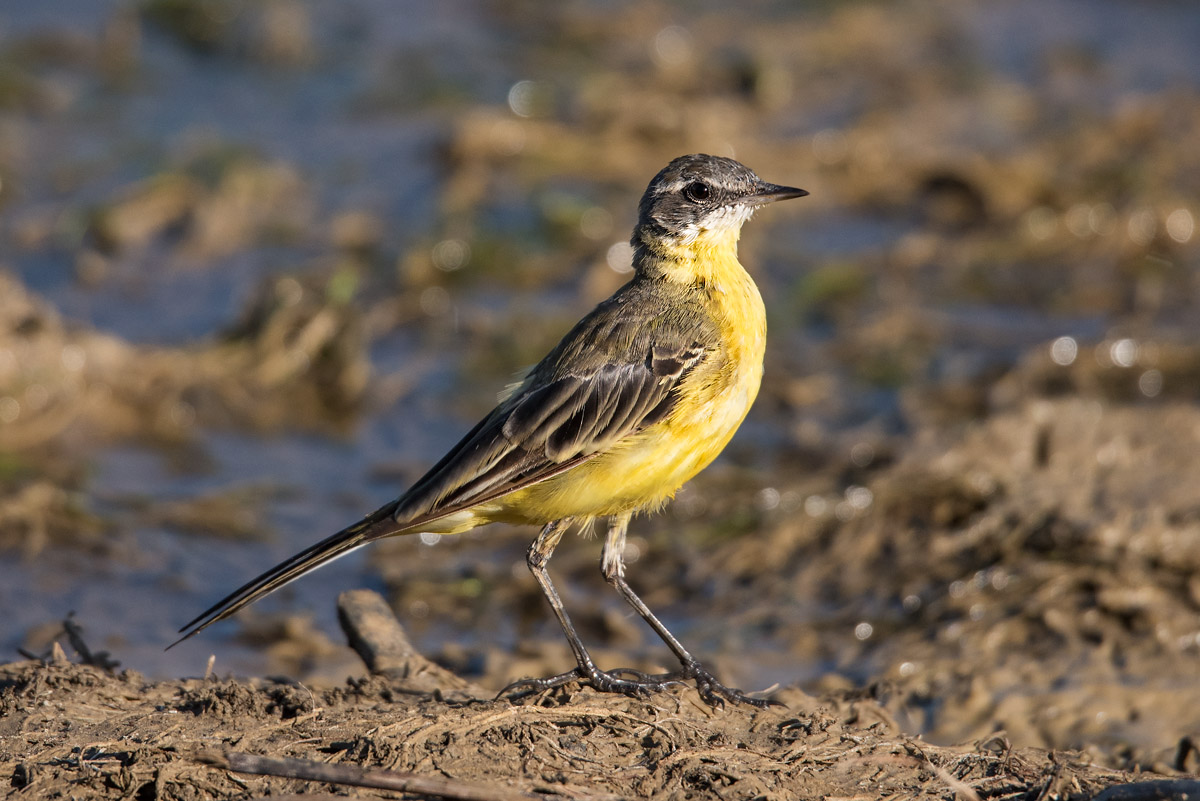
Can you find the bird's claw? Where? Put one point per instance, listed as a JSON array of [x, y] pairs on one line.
[[713, 692], [640, 685]]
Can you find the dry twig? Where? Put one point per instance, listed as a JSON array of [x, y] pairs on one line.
[[381, 779]]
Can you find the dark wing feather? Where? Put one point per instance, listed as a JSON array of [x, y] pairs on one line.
[[376, 525], [545, 430]]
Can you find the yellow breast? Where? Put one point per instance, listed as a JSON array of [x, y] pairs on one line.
[[717, 395]]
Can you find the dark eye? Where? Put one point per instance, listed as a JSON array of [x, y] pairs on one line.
[[697, 191]]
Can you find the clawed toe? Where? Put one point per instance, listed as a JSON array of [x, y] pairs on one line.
[[525, 687], [713, 692], [628, 681], [638, 684]]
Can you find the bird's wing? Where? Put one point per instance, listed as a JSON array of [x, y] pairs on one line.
[[547, 428]]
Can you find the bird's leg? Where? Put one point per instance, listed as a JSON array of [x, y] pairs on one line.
[[612, 564], [537, 558]]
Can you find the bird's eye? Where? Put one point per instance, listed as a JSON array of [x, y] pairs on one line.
[[697, 191]]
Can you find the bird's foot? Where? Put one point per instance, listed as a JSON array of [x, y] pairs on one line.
[[712, 692], [639, 684], [621, 680]]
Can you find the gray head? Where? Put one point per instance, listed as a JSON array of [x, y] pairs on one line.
[[701, 197]]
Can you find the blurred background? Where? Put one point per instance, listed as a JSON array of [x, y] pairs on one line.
[[263, 261]]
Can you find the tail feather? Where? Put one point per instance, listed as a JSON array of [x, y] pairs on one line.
[[376, 525]]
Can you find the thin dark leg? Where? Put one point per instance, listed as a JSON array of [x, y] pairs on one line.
[[537, 557], [612, 564]]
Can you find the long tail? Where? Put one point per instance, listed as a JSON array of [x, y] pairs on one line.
[[376, 525]]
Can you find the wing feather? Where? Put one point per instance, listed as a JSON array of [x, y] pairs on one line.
[[538, 408], [542, 430]]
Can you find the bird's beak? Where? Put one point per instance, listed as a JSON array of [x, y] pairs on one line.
[[766, 193]]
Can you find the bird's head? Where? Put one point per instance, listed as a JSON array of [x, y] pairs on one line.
[[701, 201]]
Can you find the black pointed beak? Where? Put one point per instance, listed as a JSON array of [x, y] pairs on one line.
[[766, 193]]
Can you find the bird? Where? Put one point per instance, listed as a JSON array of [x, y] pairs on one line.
[[638, 397]]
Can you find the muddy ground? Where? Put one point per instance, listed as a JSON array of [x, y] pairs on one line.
[[75, 732], [1041, 576], [261, 263]]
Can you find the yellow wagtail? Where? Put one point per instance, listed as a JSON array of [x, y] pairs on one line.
[[636, 399]]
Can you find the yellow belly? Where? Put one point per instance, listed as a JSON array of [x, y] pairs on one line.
[[643, 472]]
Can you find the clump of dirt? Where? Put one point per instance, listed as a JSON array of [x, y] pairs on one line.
[[295, 358], [62, 380]]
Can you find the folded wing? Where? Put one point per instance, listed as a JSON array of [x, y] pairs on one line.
[[543, 430]]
